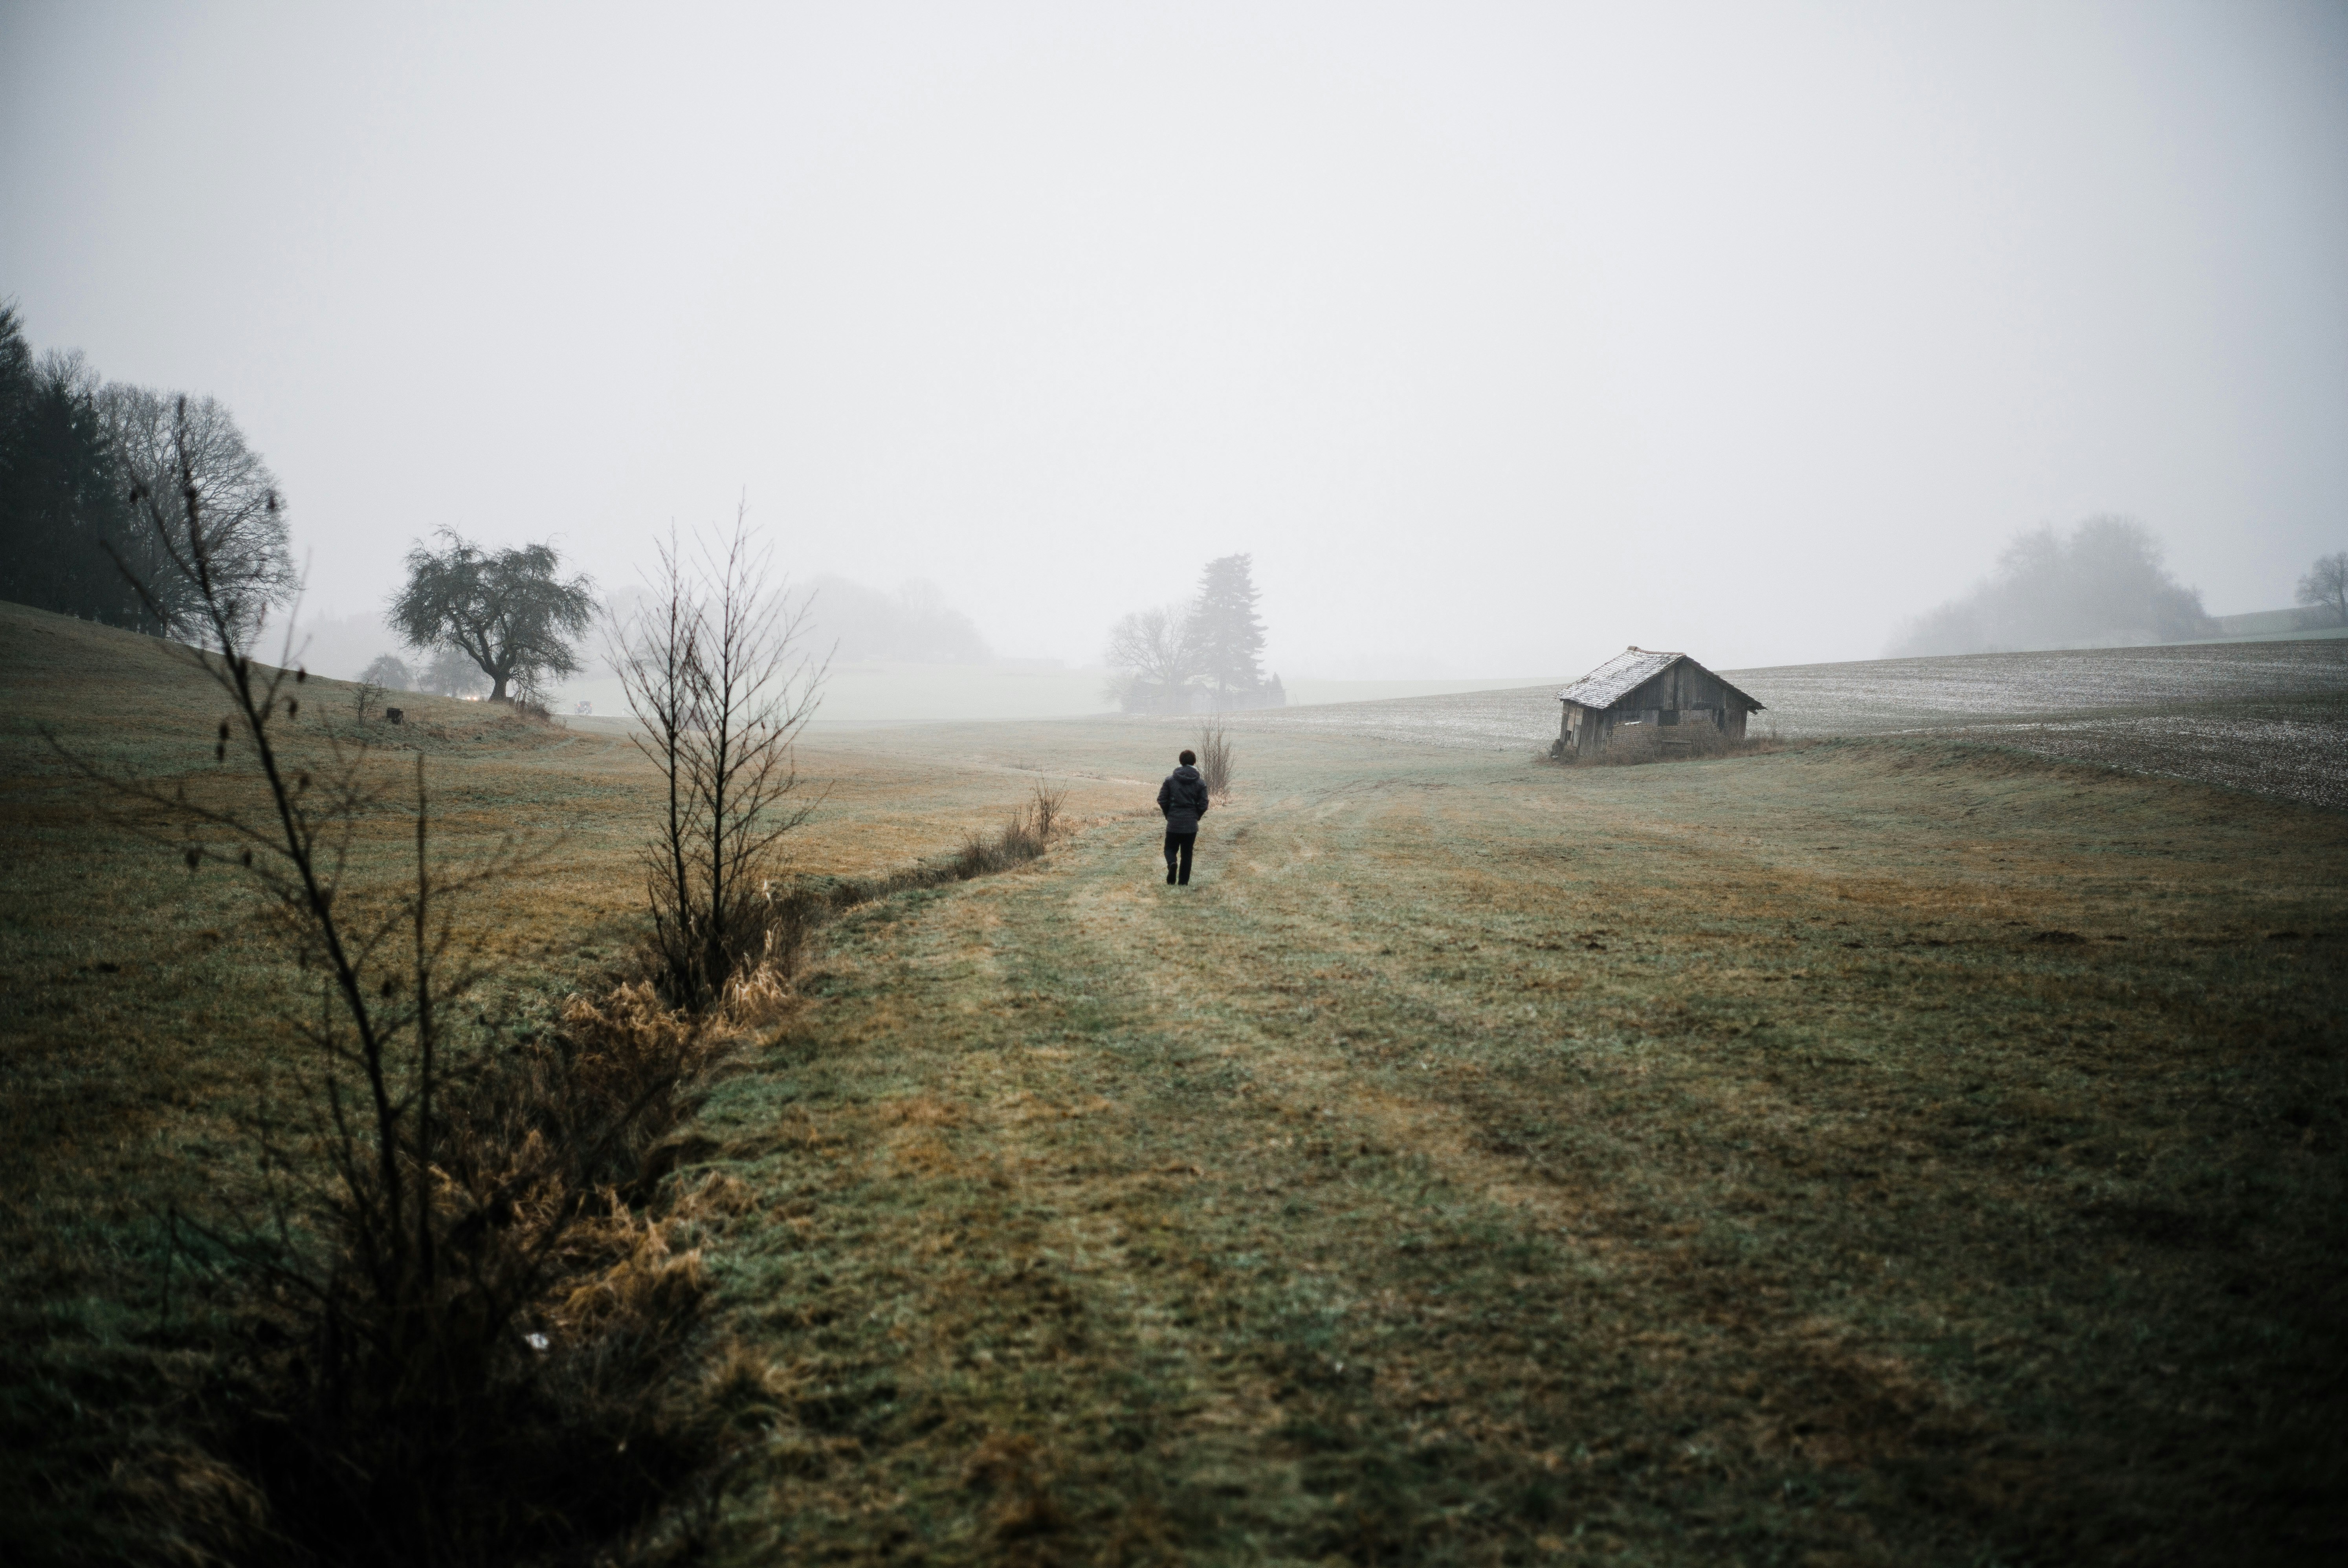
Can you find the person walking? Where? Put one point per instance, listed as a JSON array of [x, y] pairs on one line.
[[1181, 801]]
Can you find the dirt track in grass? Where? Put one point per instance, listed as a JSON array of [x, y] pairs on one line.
[[1870, 1154]]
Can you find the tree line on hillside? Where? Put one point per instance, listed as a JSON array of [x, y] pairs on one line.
[[1203, 656], [2102, 583], [77, 454], [97, 475]]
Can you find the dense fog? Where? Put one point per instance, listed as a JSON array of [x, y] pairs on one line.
[[853, 623], [2100, 584], [1499, 337]]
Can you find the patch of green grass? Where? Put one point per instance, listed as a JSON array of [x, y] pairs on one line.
[[1478, 1162]]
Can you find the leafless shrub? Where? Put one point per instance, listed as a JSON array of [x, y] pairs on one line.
[[1046, 810], [714, 674], [1021, 838], [1215, 759]]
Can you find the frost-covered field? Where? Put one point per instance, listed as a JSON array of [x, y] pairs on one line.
[[1888, 696], [2266, 716]]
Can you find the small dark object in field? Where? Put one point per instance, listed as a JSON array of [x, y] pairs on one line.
[[2058, 939], [394, 714], [2282, 937], [1863, 944]]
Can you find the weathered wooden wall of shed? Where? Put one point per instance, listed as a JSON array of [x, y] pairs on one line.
[[1681, 686], [1678, 689], [1582, 731]]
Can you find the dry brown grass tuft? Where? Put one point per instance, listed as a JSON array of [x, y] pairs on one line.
[[1635, 745]]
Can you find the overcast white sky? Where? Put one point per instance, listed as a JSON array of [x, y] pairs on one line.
[[1502, 336]]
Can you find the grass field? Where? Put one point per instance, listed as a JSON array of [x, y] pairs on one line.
[[2266, 717], [1883, 1151]]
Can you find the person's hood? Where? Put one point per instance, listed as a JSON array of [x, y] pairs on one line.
[[1186, 773]]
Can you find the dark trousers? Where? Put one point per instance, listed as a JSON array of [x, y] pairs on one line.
[[1178, 846]]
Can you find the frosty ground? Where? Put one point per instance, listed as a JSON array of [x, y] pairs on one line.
[[1886, 1149]]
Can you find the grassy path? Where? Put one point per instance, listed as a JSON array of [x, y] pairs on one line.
[[1487, 1164]]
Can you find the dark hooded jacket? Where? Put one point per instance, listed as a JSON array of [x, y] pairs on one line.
[[1182, 799]]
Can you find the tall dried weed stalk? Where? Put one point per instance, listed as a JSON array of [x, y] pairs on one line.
[[716, 676], [1215, 759], [416, 1380]]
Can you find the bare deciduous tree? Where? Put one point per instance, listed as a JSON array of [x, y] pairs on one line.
[[2325, 588], [1153, 660], [73, 449], [189, 449], [715, 671]]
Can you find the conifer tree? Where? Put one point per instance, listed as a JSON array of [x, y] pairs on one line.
[[76, 454], [1225, 632]]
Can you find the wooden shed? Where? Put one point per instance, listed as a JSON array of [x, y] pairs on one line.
[[1643, 686]]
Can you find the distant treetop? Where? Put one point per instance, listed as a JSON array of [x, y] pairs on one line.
[[75, 450], [2102, 585]]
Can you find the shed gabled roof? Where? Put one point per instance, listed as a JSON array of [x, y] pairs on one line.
[[1625, 674]]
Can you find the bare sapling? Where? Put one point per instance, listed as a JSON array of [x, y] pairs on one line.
[[718, 679], [409, 1218], [367, 696], [376, 1285], [1047, 809]]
